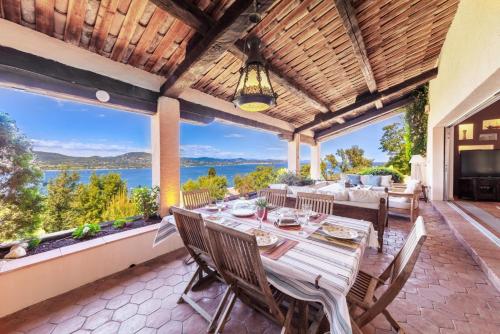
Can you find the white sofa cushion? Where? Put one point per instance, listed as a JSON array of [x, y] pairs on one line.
[[366, 205], [278, 186], [341, 194], [364, 195], [399, 202], [385, 181], [293, 190]]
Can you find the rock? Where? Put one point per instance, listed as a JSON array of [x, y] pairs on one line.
[[21, 244], [15, 252]]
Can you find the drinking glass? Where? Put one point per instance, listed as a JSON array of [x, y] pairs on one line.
[[260, 212], [300, 218], [220, 204], [307, 211]]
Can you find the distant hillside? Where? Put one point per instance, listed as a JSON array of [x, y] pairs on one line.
[[47, 160]]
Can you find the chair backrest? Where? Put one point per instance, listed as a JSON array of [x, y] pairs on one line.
[[237, 259], [320, 203], [195, 199], [398, 272], [191, 228], [276, 197]]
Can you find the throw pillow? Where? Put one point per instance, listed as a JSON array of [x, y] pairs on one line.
[[374, 180], [354, 179], [385, 181], [365, 179]]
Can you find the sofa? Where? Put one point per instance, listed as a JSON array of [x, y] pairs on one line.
[[365, 204]]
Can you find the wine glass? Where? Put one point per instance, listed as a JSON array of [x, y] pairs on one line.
[[220, 204], [260, 212]]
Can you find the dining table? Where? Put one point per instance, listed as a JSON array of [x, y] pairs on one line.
[[306, 262]]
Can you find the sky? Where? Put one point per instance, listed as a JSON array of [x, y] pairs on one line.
[[78, 129]]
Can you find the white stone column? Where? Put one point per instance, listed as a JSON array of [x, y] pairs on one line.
[[165, 151], [316, 161], [294, 154]]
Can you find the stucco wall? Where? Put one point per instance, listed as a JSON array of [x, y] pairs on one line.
[[468, 75]]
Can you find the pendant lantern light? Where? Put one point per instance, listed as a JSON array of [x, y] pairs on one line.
[[254, 92]]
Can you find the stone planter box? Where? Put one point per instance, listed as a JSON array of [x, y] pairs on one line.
[[27, 281]]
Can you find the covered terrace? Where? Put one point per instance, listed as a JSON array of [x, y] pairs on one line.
[[336, 66]]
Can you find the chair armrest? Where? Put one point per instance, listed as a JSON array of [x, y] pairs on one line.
[[400, 194]]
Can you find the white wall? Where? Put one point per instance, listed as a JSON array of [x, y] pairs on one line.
[[469, 74]]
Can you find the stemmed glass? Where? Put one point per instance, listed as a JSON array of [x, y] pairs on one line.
[[260, 212], [220, 205]]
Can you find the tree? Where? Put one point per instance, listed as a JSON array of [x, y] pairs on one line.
[[217, 185], [393, 143], [353, 159], [59, 207], [416, 118], [305, 170], [260, 178], [20, 199], [212, 172], [328, 166], [93, 198]]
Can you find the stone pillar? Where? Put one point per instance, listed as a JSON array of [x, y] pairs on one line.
[[316, 161], [294, 154], [165, 151]]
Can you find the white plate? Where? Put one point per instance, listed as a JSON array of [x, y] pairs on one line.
[[211, 207], [340, 232], [266, 240], [243, 212]]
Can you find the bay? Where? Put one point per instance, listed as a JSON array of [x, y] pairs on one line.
[[142, 176]]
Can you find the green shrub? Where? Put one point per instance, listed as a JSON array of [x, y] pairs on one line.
[[33, 242], [260, 178], [216, 185], [121, 205], [396, 175], [121, 222], [292, 179], [86, 231], [146, 201]]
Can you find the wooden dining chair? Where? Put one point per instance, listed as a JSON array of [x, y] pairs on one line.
[[237, 259], [195, 199], [275, 197], [191, 228], [320, 203], [394, 277]]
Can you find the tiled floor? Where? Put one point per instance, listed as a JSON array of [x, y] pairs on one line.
[[447, 293]]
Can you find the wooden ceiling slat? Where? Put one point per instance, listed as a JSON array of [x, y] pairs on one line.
[[105, 15], [132, 18], [176, 31], [44, 16], [12, 10], [147, 37], [74, 21]]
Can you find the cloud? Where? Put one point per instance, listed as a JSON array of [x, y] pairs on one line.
[[275, 149], [198, 151], [233, 135], [80, 149], [101, 115]]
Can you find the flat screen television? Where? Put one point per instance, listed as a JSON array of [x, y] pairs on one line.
[[480, 163]]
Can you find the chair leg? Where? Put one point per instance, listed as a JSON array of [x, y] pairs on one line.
[[288, 319], [193, 279], [355, 328], [188, 260], [392, 321], [218, 311], [225, 314]]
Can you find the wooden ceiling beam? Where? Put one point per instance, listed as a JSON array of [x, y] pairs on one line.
[[39, 75], [188, 13], [206, 51], [370, 99], [367, 117], [288, 83], [348, 17]]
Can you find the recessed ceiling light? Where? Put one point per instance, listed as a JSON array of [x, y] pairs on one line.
[[102, 95]]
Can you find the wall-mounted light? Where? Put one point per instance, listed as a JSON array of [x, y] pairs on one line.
[[102, 96]]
